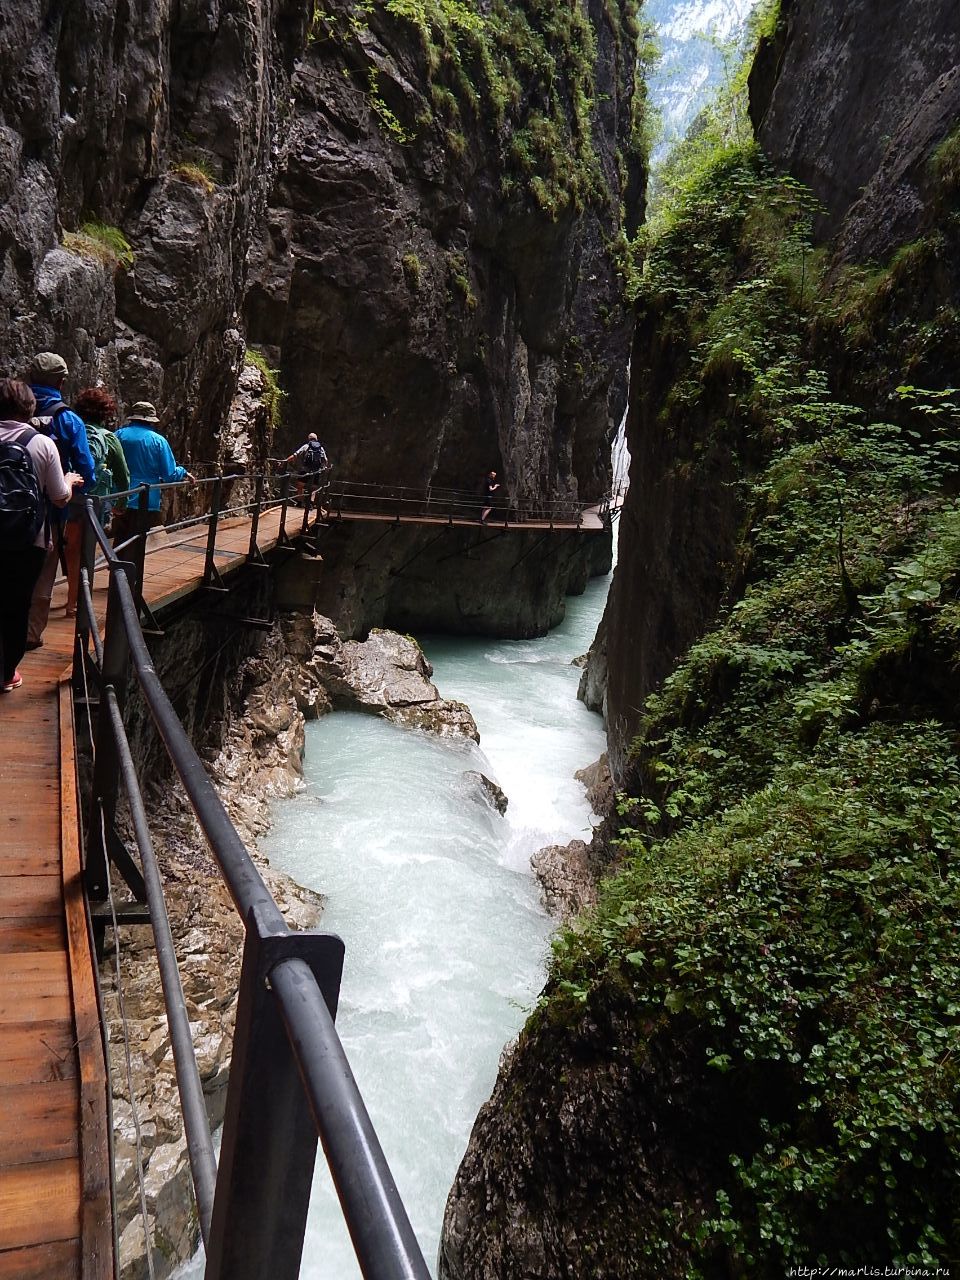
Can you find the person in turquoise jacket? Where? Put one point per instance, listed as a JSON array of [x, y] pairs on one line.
[[151, 461]]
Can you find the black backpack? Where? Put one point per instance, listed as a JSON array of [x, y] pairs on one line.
[[316, 456], [22, 508]]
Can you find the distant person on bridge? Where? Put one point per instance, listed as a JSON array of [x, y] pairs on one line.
[[491, 487], [314, 464], [151, 461], [53, 418], [30, 477]]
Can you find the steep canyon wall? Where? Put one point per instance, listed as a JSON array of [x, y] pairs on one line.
[[416, 219], [684, 1098], [852, 101]]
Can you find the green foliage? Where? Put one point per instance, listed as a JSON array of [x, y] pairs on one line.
[[273, 394], [945, 164], [460, 279], [196, 172], [524, 70], [102, 242], [784, 912], [412, 270]]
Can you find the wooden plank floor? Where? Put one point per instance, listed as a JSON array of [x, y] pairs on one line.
[[590, 522], [54, 1188]]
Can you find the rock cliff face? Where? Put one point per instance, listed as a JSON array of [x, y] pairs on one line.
[[427, 315], [416, 221], [838, 81], [820, 115], [159, 121]]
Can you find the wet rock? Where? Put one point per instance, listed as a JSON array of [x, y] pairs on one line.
[[568, 878], [600, 790], [488, 789], [592, 690], [388, 675]]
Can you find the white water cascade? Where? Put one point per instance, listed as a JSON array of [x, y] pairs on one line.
[[432, 892]]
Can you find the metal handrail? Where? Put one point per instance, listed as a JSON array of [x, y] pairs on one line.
[[289, 1065]]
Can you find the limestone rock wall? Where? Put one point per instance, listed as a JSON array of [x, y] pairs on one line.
[[158, 120], [426, 324], [844, 97], [838, 81]]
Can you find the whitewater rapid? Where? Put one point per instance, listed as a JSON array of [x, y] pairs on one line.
[[432, 892]]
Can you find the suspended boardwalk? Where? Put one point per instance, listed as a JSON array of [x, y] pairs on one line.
[[55, 1212]]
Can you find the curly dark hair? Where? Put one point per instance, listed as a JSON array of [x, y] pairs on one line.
[[17, 401], [94, 404]]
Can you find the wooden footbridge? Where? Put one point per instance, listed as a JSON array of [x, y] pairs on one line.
[[289, 1080]]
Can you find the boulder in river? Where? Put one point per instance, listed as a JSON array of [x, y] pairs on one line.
[[568, 875], [386, 674], [488, 790], [600, 789]]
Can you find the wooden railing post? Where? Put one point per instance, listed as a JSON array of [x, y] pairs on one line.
[[307, 504], [284, 503]]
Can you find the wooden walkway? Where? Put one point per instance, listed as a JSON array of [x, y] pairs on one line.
[[590, 522], [55, 1207]]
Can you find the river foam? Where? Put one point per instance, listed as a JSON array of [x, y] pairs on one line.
[[432, 892]]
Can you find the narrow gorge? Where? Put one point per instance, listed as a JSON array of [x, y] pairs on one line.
[[449, 238]]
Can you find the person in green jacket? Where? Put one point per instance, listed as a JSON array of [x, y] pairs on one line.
[[98, 409]]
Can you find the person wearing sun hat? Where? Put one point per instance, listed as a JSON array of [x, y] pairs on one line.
[[151, 461]]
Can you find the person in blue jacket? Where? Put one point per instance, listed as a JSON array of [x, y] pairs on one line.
[[48, 373], [151, 461]]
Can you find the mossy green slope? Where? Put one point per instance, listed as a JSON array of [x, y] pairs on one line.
[[522, 73], [783, 925]]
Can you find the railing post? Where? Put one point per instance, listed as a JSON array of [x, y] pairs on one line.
[[253, 551], [138, 551], [284, 503], [307, 503], [88, 555], [317, 524], [209, 564], [106, 769], [269, 1135]]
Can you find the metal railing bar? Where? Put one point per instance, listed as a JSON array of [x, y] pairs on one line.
[[203, 1164], [382, 1236], [242, 878], [86, 597]]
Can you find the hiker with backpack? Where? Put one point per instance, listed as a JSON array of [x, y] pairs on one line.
[[55, 419], [313, 462], [31, 477], [98, 411], [151, 461]]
